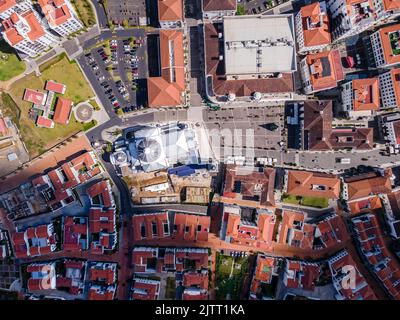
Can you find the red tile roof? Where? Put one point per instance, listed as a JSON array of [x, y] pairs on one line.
[[63, 109], [44, 122], [295, 231], [102, 220], [315, 25], [319, 134], [167, 90], [36, 29], [249, 186], [143, 226], [219, 5], [103, 272], [144, 289], [191, 227], [170, 10], [301, 274], [362, 290], [101, 293], [365, 205], [388, 52], [55, 11], [366, 94], [195, 279], [103, 190], [332, 230], [34, 96], [364, 186], [313, 184], [6, 4], [55, 87], [325, 69], [75, 231], [265, 268]]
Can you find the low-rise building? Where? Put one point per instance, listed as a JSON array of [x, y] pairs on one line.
[[42, 276], [247, 226], [312, 184], [35, 241], [145, 289], [267, 269], [170, 13], [301, 275], [76, 234], [168, 90], [367, 185], [249, 187], [217, 9]]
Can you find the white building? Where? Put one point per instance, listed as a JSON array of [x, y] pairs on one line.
[[157, 148], [25, 33], [217, 9], [8, 7], [389, 85], [353, 17], [312, 28], [60, 16], [385, 46]]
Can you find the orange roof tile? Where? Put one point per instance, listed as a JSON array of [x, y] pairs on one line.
[[170, 10], [388, 50], [315, 25], [167, 90], [6, 4], [366, 94], [36, 29], [63, 110], [313, 184], [368, 186], [55, 11]]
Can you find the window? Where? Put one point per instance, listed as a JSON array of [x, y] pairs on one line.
[[154, 228]]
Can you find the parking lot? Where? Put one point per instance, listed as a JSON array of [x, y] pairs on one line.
[[117, 70]]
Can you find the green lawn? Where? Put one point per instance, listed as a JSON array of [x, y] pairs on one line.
[[10, 65], [38, 140], [226, 284], [85, 12], [306, 201]]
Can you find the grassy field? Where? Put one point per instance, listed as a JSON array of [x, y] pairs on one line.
[[230, 280], [10, 65], [306, 201], [38, 140], [85, 12]]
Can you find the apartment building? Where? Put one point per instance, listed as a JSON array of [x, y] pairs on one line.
[[312, 28], [385, 46], [390, 89], [60, 16], [27, 34], [8, 7], [217, 9]]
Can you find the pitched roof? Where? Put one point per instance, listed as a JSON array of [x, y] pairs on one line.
[[167, 90], [34, 96], [366, 94], [55, 87], [55, 11], [313, 184], [325, 69], [319, 135], [315, 25], [391, 4], [170, 10], [36, 29], [388, 50], [219, 5], [63, 109], [44, 122], [6, 4], [368, 185]]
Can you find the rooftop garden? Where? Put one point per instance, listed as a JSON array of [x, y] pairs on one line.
[[394, 42]]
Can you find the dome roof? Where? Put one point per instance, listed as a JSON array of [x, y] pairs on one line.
[[149, 150]]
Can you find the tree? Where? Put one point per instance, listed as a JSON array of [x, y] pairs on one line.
[[240, 10], [125, 23]]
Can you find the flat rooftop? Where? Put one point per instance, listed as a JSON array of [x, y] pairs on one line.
[[259, 44]]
